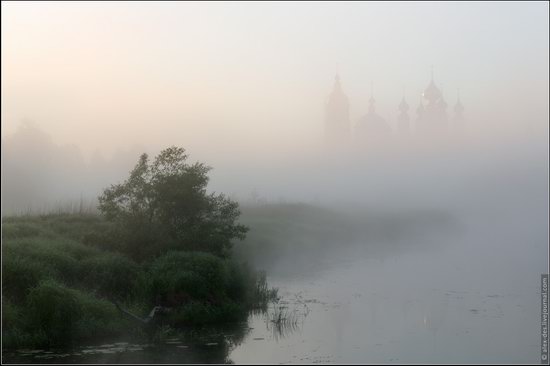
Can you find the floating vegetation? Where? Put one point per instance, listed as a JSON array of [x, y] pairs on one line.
[[281, 322]]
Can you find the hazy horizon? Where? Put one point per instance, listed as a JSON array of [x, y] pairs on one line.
[[339, 223], [253, 79]]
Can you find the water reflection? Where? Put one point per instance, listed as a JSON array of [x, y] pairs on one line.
[[281, 321], [195, 345], [454, 302], [200, 345]]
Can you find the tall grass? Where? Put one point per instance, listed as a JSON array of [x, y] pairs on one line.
[[205, 288], [54, 314], [81, 206], [59, 290]]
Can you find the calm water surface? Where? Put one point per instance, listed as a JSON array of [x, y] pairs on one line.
[[467, 295]]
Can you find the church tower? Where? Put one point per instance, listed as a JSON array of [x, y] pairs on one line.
[[403, 121], [419, 114], [433, 117], [372, 129], [337, 123], [458, 118]]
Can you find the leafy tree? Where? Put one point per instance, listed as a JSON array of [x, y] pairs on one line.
[[164, 206]]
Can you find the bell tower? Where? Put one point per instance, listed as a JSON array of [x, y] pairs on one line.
[[337, 122]]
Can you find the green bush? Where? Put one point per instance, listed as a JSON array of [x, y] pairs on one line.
[[197, 313], [18, 337], [203, 288], [11, 315], [53, 255], [111, 275], [20, 273], [74, 226], [164, 205], [240, 281], [99, 318], [55, 287], [65, 315], [107, 239], [74, 249], [54, 310], [179, 277], [15, 230]]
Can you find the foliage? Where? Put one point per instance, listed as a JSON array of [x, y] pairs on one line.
[[19, 274], [65, 315], [164, 206], [180, 278], [200, 313], [54, 310], [21, 230], [203, 288], [56, 289], [111, 275]]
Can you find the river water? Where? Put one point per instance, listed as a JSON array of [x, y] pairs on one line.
[[457, 284], [411, 308], [466, 294]]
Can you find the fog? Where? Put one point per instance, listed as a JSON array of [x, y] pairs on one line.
[[260, 92], [40, 174], [232, 79], [237, 89]]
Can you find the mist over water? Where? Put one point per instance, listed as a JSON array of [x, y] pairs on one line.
[[388, 244], [418, 253]]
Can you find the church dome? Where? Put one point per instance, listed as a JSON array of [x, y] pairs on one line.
[[337, 95], [373, 124], [432, 92]]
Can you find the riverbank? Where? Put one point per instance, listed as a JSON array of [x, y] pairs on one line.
[[58, 290], [400, 286]]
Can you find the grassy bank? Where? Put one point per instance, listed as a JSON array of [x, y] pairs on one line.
[[296, 235], [60, 273], [59, 284]]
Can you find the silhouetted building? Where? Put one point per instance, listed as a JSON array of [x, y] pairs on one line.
[[337, 122], [403, 120], [372, 129], [432, 112], [458, 118], [419, 112]]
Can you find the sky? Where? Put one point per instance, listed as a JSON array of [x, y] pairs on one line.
[[223, 77]]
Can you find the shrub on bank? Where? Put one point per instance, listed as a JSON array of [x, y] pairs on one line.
[[179, 277], [201, 313], [204, 277], [57, 290], [111, 275], [19, 274], [162, 240], [204, 288], [164, 205], [57, 315], [18, 230]]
